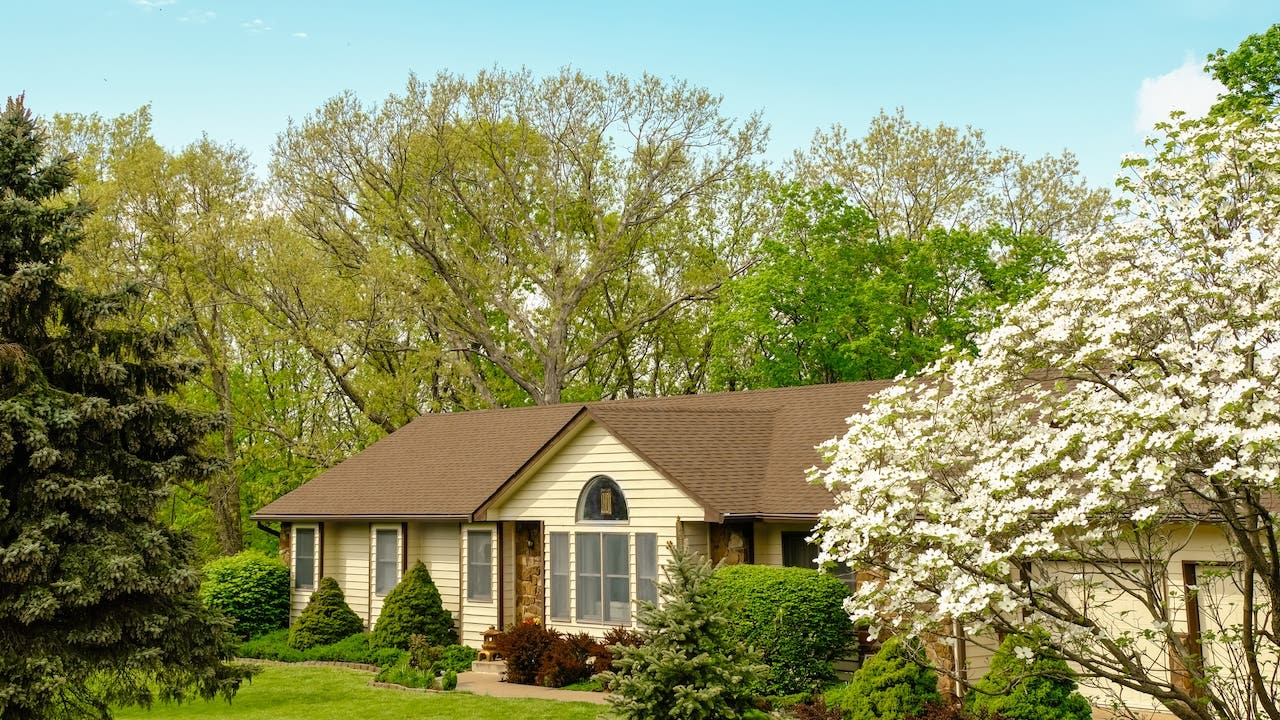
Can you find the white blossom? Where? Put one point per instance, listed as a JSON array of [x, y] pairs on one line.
[[1140, 387]]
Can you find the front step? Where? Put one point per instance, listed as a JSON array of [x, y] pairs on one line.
[[490, 667]]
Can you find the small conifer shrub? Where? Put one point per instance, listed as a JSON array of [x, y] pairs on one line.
[[690, 665], [326, 619], [891, 685], [1027, 681], [413, 607]]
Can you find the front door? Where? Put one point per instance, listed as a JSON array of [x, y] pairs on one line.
[[529, 572]]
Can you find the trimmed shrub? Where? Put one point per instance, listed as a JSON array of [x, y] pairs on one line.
[[524, 645], [356, 649], [251, 589], [568, 660], [272, 646], [892, 685], [449, 681], [1028, 681], [413, 607], [691, 664], [794, 617], [326, 619]]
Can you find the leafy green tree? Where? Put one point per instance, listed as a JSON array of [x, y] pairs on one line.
[[1251, 74], [413, 607], [1028, 681], [190, 230], [98, 599], [690, 666], [911, 179], [832, 299], [326, 619], [891, 685], [536, 222]]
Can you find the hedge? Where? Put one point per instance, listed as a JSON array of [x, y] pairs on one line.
[[250, 588], [794, 617]]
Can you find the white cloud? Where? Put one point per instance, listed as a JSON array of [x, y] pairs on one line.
[[1188, 88], [299, 35], [198, 17], [154, 4], [257, 25]]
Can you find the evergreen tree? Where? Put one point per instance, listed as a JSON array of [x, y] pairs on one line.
[[413, 608], [1027, 681], [326, 619], [690, 666], [98, 603]]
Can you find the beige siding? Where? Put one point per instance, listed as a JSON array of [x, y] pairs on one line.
[[768, 540], [1106, 601], [374, 599], [478, 616], [346, 559], [436, 545], [550, 495], [695, 537]]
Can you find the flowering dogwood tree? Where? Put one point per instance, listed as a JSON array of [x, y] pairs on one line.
[[1107, 466]]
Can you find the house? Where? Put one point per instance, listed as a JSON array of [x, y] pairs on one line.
[[563, 513]]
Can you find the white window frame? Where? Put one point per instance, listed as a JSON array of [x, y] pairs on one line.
[[564, 570], [472, 596], [395, 559], [315, 557], [605, 618]]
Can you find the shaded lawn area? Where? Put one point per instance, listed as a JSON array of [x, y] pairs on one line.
[[284, 692]]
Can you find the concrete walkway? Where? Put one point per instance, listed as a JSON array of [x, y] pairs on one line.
[[488, 684]]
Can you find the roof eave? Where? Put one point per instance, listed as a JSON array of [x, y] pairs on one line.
[[399, 517], [770, 517]]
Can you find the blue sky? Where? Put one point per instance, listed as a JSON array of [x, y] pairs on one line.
[[1036, 76]]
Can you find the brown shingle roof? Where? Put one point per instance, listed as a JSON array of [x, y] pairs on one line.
[[742, 453]]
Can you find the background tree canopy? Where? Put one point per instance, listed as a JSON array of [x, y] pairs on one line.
[[507, 239]]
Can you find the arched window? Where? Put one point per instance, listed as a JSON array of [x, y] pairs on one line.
[[602, 499]]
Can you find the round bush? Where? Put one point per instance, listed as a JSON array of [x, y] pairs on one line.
[[1027, 681], [250, 588], [892, 685], [326, 619], [413, 607], [795, 617]]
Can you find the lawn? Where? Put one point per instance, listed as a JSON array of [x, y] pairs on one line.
[[284, 692]]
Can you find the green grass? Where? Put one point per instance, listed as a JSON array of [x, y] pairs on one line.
[[282, 692]]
